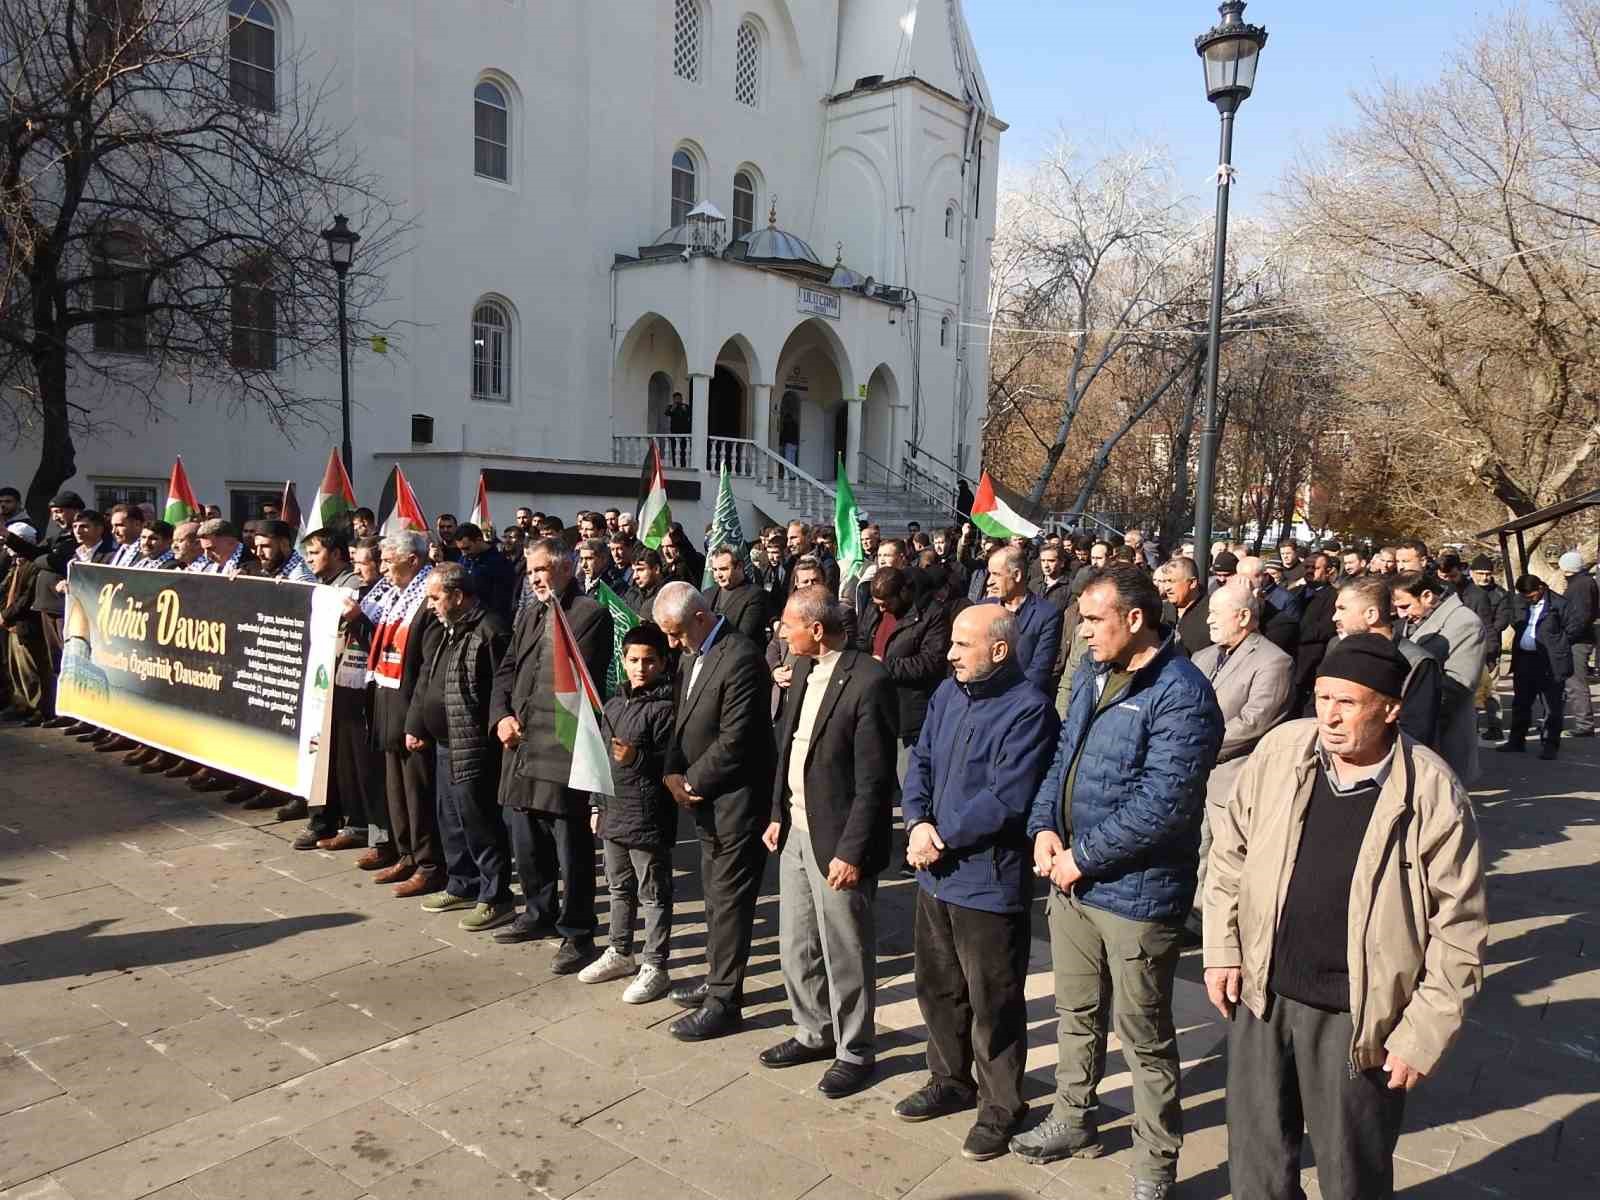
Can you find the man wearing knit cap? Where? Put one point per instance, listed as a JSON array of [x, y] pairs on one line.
[[1583, 601], [1484, 596], [1339, 823]]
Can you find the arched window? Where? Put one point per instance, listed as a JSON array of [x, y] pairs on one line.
[[120, 291], [944, 331], [253, 54], [491, 132], [688, 34], [683, 186], [491, 352], [254, 303], [744, 204], [747, 65], [950, 221]]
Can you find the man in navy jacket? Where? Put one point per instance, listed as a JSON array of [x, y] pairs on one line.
[[1038, 621], [973, 773], [1116, 830], [1541, 661]]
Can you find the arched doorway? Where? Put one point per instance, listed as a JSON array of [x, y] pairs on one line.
[[841, 439], [660, 395], [813, 374], [725, 417]]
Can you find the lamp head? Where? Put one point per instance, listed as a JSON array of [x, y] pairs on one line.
[[1230, 51], [341, 241]]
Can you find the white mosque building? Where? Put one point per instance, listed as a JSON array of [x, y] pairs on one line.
[[780, 209]]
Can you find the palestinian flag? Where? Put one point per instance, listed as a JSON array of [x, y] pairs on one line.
[[401, 504], [846, 527], [655, 517], [181, 503], [994, 517], [480, 507], [577, 712], [289, 507], [623, 619], [725, 527], [335, 496]]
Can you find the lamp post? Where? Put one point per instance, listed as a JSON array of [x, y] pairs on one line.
[[342, 241], [1230, 52]]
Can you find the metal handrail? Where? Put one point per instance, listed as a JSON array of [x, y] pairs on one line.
[[912, 485], [928, 454]]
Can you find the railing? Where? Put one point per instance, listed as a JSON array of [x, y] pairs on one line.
[[774, 474], [891, 478], [677, 449], [956, 478], [931, 485]]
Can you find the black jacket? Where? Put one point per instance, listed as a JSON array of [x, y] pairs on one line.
[[1194, 634], [494, 581], [643, 601], [722, 737], [516, 683], [1422, 698], [1316, 631], [467, 653], [1493, 606], [1582, 599], [642, 815], [850, 779], [1553, 637], [914, 658], [743, 607]]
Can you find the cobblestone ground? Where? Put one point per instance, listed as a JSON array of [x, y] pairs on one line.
[[191, 1009]]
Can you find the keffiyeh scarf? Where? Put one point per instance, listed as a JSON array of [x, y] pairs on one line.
[[393, 621]]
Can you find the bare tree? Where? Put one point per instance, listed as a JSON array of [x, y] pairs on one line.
[[162, 187]]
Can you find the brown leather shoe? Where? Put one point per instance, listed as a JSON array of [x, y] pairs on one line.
[[115, 744], [161, 764], [182, 769], [342, 841], [379, 857], [139, 755], [420, 884], [399, 873]]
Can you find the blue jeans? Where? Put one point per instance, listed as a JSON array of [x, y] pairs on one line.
[[476, 856]]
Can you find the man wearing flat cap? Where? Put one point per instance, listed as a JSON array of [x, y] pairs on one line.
[[1484, 596], [1339, 823]]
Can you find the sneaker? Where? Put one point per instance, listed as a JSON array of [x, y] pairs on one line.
[[611, 965], [488, 916], [1053, 1140], [445, 902], [1149, 1189], [985, 1141], [573, 956], [651, 983], [933, 1100]]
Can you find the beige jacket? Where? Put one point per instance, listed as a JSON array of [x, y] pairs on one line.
[[1417, 917]]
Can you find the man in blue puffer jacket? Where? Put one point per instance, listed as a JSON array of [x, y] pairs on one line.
[[1116, 829], [984, 746]]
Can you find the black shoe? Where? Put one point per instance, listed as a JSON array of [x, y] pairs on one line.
[[575, 954], [1494, 733], [307, 839], [709, 1021], [792, 1052], [688, 995], [844, 1079], [61, 722], [934, 1100], [1510, 748], [524, 929], [985, 1141], [1547, 753], [293, 811]]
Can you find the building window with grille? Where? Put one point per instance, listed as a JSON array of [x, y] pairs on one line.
[[491, 142], [688, 39], [120, 291], [747, 65], [254, 304], [744, 204], [253, 54], [491, 352], [683, 186]]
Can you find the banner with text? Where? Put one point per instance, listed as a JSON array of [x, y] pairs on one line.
[[232, 673]]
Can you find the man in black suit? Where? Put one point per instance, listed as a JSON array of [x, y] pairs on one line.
[[832, 798], [735, 598], [550, 835], [719, 767], [1541, 660]]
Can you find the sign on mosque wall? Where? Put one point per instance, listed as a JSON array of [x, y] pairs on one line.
[[819, 303]]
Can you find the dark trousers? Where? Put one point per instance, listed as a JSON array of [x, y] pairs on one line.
[[408, 791], [551, 851], [1532, 677], [970, 968], [477, 857], [1288, 1076], [1580, 704], [50, 631], [730, 874], [352, 775]]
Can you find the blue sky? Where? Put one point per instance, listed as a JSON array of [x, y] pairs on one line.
[[1126, 71]]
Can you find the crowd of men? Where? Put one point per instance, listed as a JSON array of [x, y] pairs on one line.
[[1250, 759]]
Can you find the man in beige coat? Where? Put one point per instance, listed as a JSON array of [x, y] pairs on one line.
[[1339, 823]]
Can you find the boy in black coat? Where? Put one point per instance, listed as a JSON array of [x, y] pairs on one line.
[[640, 823]]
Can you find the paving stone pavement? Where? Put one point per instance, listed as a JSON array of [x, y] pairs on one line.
[[192, 1010]]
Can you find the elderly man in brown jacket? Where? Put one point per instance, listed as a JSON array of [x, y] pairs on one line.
[[1341, 822]]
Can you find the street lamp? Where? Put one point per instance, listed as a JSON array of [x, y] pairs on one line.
[[1230, 52], [342, 241]]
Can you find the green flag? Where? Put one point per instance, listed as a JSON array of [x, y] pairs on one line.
[[725, 527], [846, 527], [623, 619]]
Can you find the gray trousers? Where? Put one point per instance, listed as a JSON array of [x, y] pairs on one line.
[[1141, 958], [1289, 1076], [1580, 706], [828, 949], [640, 881]]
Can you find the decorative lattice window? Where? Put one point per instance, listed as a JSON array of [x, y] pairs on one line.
[[747, 66], [491, 352], [744, 204], [688, 31]]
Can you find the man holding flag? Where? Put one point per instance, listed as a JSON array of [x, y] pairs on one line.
[[542, 713]]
